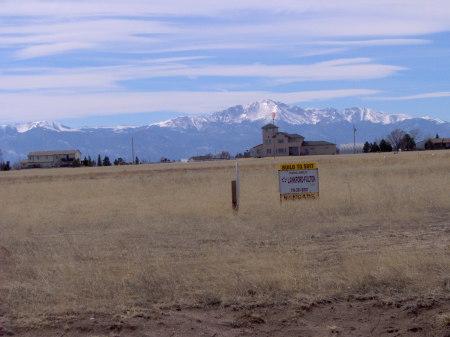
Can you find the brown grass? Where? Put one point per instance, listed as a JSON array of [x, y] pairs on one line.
[[108, 238]]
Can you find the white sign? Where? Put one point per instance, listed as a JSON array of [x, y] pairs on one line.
[[296, 184]]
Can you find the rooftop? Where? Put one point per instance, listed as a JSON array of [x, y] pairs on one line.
[[52, 153], [270, 125], [440, 140], [317, 143]]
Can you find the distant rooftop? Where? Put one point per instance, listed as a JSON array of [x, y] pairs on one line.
[[317, 143], [52, 153], [440, 140], [270, 125]]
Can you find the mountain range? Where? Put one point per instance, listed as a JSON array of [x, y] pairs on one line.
[[235, 129]]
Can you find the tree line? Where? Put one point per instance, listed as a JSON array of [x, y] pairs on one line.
[[105, 161], [224, 155], [396, 140], [4, 165]]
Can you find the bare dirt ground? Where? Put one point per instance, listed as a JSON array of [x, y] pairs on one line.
[[360, 316]]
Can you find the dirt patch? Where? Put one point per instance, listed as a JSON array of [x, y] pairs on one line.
[[355, 316]]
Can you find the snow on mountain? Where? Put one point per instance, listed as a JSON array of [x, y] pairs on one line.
[[262, 111], [368, 115], [117, 128], [436, 120], [54, 126], [235, 130], [185, 122]]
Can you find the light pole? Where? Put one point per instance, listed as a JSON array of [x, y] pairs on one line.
[[132, 150], [273, 137]]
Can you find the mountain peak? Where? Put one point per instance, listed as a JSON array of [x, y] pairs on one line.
[[235, 129], [50, 125], [262, 111]]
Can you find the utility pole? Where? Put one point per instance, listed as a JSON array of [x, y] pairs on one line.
[[354, 139], [273, 137], [132, 150]]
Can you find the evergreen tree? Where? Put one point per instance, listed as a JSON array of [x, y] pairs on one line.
[[374, 147], [5, 166], [366, 147], [85, 161], [437, 135], [385, 146], [99, 161], [429, 145], [106, 161], [136, 161], [408, 143]]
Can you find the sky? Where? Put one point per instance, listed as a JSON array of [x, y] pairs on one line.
[[135, 62]]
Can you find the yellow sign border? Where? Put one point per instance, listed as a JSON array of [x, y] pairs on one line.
[[298, 166], [299, 196]]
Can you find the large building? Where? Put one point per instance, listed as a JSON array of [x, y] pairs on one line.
[[275, 143], [44, 159], [434, 144]]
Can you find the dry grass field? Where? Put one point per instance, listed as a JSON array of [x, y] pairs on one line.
[[134, 238]]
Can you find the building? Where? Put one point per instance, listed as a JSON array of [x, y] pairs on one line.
[[350, 148], [276, 143], [434, 144], [44, 159]]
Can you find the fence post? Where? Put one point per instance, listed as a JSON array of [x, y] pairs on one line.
[[234, 195]]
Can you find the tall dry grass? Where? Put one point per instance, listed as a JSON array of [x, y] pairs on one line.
[[109, 238]]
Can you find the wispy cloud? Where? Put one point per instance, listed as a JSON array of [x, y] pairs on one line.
[[76, 57], [50, 49], [206, 24], [373, 43], [67, 106], [439, 94], [109, 77]]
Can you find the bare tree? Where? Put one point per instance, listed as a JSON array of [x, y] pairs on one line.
[[395, 138]]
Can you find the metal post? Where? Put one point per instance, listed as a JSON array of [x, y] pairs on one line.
[[273, 138], [238, 185], [132, 150]]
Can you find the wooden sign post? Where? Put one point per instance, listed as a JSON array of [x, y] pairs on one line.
[[235, 192]]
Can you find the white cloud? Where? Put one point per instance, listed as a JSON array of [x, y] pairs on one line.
[[50, 49], [438, 9], [438, 94], [184, 25], [199, 39], [29, 107], [373, 43], [100, 78]]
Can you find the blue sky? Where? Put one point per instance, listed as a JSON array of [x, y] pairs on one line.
[[108, 62]]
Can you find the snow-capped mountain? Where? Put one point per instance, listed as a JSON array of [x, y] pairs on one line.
[[54, 126], [235, 129], [262, 112]]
